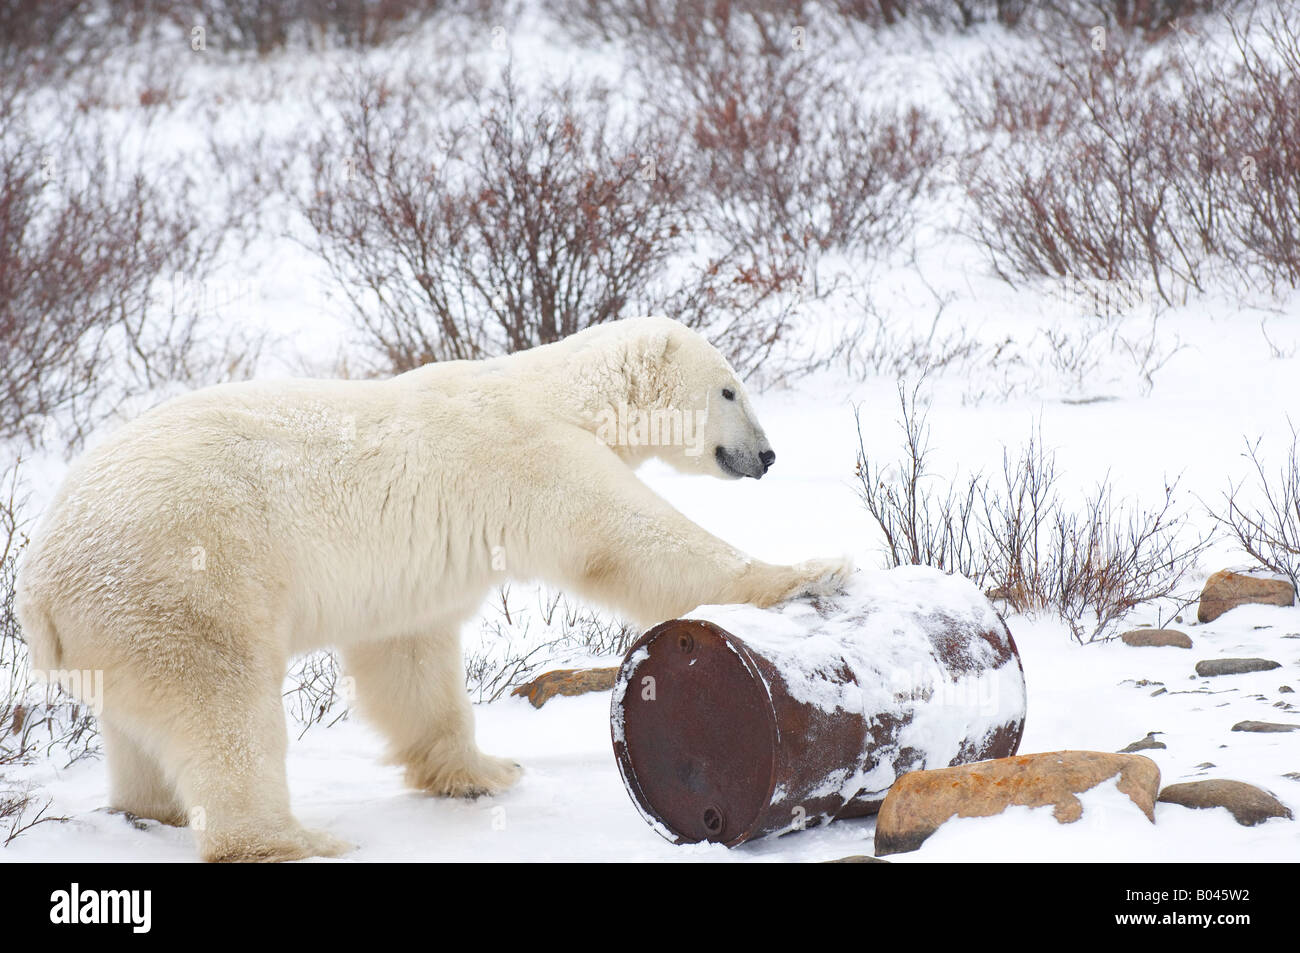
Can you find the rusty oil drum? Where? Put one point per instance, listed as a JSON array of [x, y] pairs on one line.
[[811, 719]]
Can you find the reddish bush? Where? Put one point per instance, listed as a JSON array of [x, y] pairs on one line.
[[85, 253], [1106, 165], [545, 216]]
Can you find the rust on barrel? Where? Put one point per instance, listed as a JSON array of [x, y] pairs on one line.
[[725, 734]]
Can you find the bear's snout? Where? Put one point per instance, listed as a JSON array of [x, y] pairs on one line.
[[767, 458]]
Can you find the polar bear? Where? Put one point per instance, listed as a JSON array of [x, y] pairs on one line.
[[200, 547]]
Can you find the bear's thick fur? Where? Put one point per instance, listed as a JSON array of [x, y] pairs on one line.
[[199, 548]]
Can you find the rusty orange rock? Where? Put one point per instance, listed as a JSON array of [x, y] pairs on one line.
[[920, 802], [566, 681], [1226, 590]]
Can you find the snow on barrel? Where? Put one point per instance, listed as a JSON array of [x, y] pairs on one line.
[[739, 722]]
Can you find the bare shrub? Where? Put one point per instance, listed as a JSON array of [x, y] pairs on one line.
[[1152, 19], [1115, 166], [36, 720], [1264, 520], [957, 14], [1084, 185], [518, 641], [317, 693], [880, 346], [793, 166], [1248, 119], [97, 255], [1013, 534], [546, 216], [919, 527], [797, 188], [688, 32], [264, 26], [42, 40], [21, 809]]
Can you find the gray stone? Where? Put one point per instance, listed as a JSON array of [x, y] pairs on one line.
[[1234, 666], [1248, 804], [1264, 726], [1145, 744], [856, 859]]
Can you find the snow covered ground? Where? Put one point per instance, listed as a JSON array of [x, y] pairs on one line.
[[571, 804], [1226, 383]]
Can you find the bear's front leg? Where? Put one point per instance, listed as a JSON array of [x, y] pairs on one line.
[[413, 689], [620, 544], [770, 585]]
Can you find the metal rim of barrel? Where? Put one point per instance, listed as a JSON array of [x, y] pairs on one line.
[[623, 755]]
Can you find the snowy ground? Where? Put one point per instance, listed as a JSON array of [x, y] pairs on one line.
[[1225, 384], [571, 804]]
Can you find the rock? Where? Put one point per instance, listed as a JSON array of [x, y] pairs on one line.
[[1286, 690], [1264, 726], [567, 681], [856, 859], [921, 801], [1156, 638], [1249, 805], [1145, 743], [1207, 764], [1293, 775], [1226, 590], [1234, 666]]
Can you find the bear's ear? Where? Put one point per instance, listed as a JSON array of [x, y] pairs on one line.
[[662, 344]]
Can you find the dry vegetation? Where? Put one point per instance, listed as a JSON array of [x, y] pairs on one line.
[[1262, 514], [102, 262], [540, 215], [1096, 162], [1089, 561], [519, 639]]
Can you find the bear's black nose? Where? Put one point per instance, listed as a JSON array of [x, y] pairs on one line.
[[767, 458]]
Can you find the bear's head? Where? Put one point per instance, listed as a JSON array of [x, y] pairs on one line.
[[686, 405], [729, 441]]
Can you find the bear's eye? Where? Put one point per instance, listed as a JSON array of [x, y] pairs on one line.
[[728, 393]]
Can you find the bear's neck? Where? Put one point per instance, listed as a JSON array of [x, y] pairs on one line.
[[588, 385]]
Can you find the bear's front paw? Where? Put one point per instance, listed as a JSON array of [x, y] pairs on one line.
[[815, 577], [823, 577], [483, 774]]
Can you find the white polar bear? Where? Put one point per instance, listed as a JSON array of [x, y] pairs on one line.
[[193, 553]]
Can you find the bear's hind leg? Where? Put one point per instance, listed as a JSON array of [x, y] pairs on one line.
[[137, 785], [413, 689], [224, 742]]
